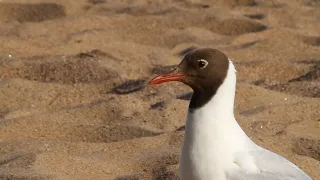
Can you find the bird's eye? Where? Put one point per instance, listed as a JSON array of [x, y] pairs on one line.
[[202, 63]]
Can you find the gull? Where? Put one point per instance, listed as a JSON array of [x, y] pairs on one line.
[[215, 147]]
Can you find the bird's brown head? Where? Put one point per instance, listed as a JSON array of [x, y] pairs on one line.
[[204, 70]]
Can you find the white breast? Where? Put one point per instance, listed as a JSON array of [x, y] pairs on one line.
[[213, 136]]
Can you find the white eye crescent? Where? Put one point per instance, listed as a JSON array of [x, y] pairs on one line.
[[202, 63]]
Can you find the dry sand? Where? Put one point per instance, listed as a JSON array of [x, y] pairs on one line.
[[73, 101]]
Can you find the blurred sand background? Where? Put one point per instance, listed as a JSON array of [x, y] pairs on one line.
[[73, 101]]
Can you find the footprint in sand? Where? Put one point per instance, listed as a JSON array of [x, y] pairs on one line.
[[234, 27], [81, 68], [307, 85], [308, 147], [311, 40], [31, 12]]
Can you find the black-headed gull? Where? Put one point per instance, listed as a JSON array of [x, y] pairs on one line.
[[215, 147]]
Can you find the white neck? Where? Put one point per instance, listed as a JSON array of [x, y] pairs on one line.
[[222, 103], [212, 133]]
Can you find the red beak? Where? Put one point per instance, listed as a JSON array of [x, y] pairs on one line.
[[166, 78]]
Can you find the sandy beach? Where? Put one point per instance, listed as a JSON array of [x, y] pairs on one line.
[[74, 99]]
